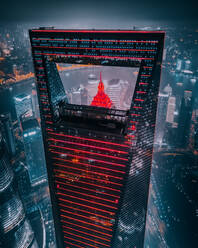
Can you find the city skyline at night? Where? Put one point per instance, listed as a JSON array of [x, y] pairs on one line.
[[174, 167]]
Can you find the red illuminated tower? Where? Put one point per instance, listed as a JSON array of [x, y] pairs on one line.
[[98, 158], [101, 99]]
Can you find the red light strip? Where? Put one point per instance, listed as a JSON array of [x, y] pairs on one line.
[[88, 195], [139, 100], [72, 244], [94, 140], [48, 129], [87, 189], [145, 75], [90, 165], [86, 206], [141, 83], [103, 187], [80, 241], [94, 172], [49, 122], [84, 216], [87, 152], [43, 89], [135, 114], [84, 211], [124, 41], [148, 67], [141, 92], [83, 227], [76, 174], [89, 234], [77, 156], [97, 48], [82, 237], [137, 107], [44, 96], [81, 199], [87, 223], [43, 102], [85, 145], [94, 56]]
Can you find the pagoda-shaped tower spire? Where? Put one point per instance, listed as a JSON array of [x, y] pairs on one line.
[[101, 99]]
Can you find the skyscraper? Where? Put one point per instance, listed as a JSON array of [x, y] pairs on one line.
[[23, 105], [15, 229], [7, 130], [34, 151], [184, 119], [98, 156]]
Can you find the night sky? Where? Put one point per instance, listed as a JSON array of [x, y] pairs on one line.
[[102, 13]]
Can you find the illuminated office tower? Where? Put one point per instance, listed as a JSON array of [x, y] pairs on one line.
[[34, 150], [15, 229], [98, 158], [184, 120], [171, 109], [114, 91], [92, 87], [23, 105], [7, 130], [161, 114]]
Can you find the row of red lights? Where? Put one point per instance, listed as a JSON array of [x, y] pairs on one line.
[[117, 41], [93, 56], [82, 242], [83, 227], [86, 189], [92, 184], [84, 211], [88, 139], [77, 156], [85, 145], [85, 222], [86, 206], [88, 195], [86, 238], [87, 152], [90, 165], [89, 234], [96, 179], [97, 48], [97, 173]]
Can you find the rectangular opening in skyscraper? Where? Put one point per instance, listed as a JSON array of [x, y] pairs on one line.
[[100, 86]]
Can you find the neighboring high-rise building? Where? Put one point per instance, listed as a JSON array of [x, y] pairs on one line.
[[23, 105], [184, 120], [7, 130], [98, 158], [35, 106], [161, 115], [171, 110], [15, 229], [34, 150]]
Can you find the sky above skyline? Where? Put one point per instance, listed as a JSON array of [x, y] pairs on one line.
[[102, 13]]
